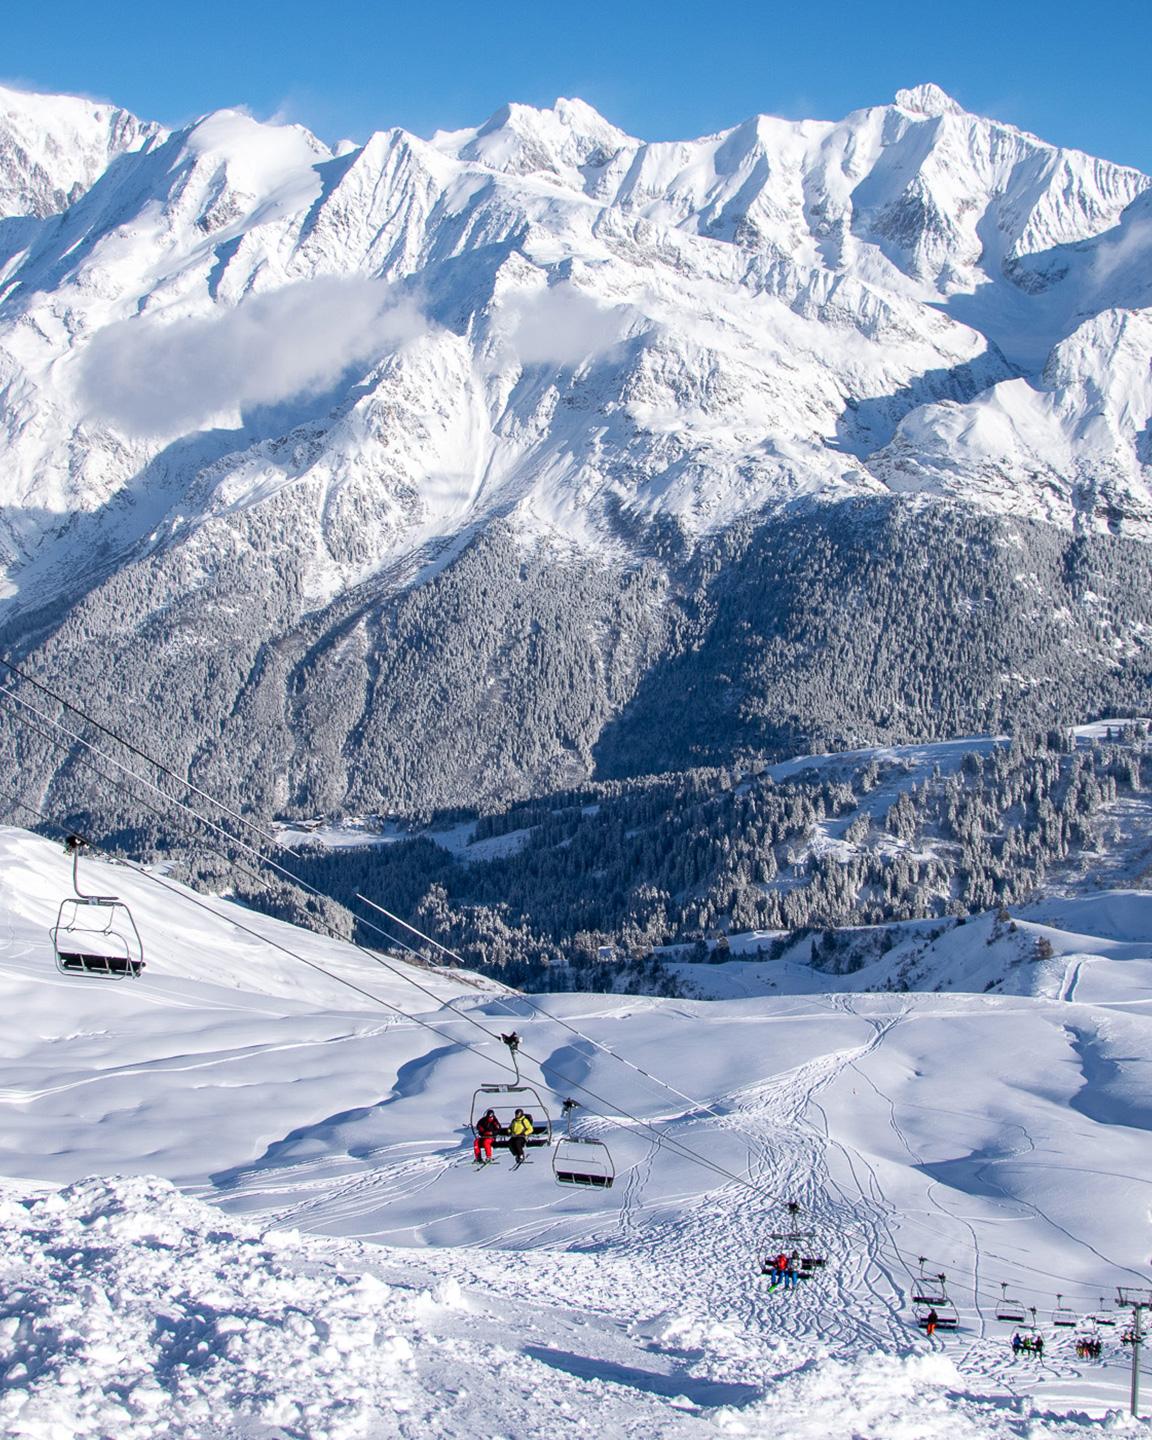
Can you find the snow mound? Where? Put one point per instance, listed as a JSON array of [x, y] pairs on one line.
[[129, 1309], [221, 1330], [907, 1398]]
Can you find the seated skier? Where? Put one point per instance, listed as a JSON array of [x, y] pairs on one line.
[[518, 1133], [487, 1129]]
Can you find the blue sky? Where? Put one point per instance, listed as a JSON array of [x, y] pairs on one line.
[[1074, 73]]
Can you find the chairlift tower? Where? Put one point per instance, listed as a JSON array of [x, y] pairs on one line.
[[1137, 1300]]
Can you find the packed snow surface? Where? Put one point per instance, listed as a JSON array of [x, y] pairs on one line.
[[331, 1263]]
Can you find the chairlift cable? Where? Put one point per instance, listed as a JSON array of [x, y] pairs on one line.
[[1082, 1286], [564, 1024], [677, 1146], [128, 745], [290, 875], [311, 889], [6, 692]]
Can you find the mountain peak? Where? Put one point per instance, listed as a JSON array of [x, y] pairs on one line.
[[928, 99], [521, 139], [53, 147]]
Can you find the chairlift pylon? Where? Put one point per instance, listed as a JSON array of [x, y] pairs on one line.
[[95, 935], [581, 1160], [504, 1100]]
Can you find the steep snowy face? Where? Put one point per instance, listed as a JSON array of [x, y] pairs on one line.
[[378, 349], [53, 147], [1061, 446]]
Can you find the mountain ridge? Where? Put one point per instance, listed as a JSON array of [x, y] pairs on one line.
[[249, 377]]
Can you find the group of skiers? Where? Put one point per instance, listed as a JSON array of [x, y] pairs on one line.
[[1088, 1347], [1028, 1345], [489, 1130]]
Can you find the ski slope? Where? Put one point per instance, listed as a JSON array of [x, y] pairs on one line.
[[331, 1264]]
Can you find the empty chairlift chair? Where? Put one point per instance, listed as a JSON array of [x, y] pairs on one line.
[[95, 935], [1104, 1316], [580, 1160], [505, 1100], [1010, 1310], [1062, 1316], [929, 1289]]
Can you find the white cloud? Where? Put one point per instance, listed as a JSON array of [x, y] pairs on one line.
[[148, 377], [1130, 247], [561, 326]]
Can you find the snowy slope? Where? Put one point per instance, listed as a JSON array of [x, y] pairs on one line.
[[1003, 1137]]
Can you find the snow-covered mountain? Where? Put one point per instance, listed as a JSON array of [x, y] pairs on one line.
[[254, 387], [54, 147]]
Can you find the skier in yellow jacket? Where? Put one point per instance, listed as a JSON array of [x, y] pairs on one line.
[[518, 1132]]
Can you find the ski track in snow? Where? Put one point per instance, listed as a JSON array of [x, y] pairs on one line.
[[330, 1146]]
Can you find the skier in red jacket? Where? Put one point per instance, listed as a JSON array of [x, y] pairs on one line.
[[487, 1128]]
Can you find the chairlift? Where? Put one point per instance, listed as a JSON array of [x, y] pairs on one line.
[[928, 1289], [1104, 1316], [1062, 1316], [95, 934], [945, 1311], [795, 1237], [505, 1100], [581, 1160], [1010, 1310]]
